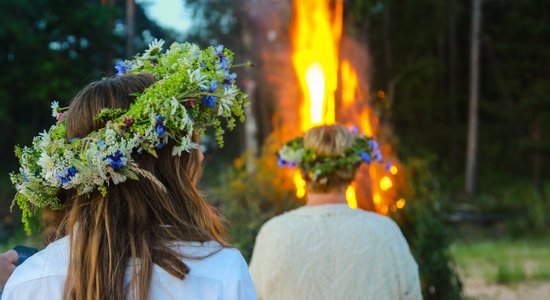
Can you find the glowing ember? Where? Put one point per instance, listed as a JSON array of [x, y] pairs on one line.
[[386, 183], [400, 203], [376, 199], [300, 184], [350, 196]]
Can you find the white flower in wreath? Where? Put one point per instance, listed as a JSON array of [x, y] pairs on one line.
[[47, 164], [55, 108], [110, 136], [230, 92], [45, 139], [197, 77], [117, 178], [226, 101], [290, 155], [68, 154], [186, 145], [224, 106], [174, 105], [154, 48], [77, 180]]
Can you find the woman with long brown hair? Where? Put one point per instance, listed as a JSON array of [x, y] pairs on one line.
[[151, 235]]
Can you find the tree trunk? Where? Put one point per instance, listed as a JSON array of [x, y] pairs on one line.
[[130, 28], [390, 80], [536, 134], [250, 127], [506, 95], [251, 142], [453, 143], [473, 125], [110, 52]]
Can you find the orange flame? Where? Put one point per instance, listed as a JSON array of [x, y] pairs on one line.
[[316, 31], [315, 39], [349, 84]]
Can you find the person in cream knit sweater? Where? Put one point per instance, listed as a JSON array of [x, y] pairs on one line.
[[326, 250]]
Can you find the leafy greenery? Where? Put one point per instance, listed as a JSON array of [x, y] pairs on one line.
[[422, 224], [161, 113], [518, 206], [505, 261], [249, 199]]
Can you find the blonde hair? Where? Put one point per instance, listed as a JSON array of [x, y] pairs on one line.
[[331, 141]]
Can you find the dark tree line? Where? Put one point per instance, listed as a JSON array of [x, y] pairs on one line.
[[49, 49], [421, 53]]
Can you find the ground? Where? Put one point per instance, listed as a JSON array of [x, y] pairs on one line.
[[481, 290], [504, 269]]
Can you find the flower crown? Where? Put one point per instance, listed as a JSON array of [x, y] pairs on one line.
[[195, 89], [315, 167]]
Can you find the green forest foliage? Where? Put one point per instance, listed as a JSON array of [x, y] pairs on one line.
[[422, 47], [420, 51], [422, 222], [249, 199]]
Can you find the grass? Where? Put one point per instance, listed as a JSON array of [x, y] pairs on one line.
[[20, 238], [504, 261], [510, 273]]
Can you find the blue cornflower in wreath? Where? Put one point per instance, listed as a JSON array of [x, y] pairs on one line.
[[210, 100], [115, 160], [122, 68]]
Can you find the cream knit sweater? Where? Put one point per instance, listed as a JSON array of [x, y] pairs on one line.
[[333, 252]]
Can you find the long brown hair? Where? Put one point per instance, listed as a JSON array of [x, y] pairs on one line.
[[137, 221]]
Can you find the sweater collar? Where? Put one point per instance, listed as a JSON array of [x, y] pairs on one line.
[[325, 209]]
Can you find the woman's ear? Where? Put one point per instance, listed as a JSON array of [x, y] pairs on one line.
[[201, 156]]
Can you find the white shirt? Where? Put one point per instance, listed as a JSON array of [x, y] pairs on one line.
[[223, 275], [333, 252]]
